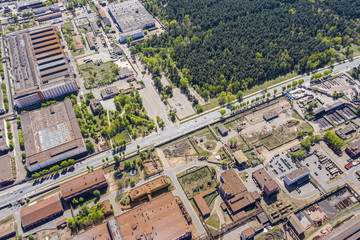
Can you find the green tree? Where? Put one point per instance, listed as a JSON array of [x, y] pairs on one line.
[[222, 98], [31, 237], [97, 193], [222, 112], [132, 182], [333, 139], [239, 95], [23, 155]]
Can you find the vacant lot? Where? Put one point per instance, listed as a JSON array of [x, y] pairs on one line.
[[96, 74], [197, 181]]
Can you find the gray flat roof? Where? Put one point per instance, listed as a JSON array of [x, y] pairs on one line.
[[297, 173]]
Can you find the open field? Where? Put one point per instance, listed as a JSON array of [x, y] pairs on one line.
[[96, 75], [197, 181]]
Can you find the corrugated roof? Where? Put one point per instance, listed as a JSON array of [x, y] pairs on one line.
[[40, 210], [81, 183], [148, 188], [297, 173]]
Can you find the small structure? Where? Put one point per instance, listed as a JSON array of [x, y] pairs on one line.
[[222, 130], [107, 207], [95, 106], [201, 204], [78, 42], [296, 225], [265, 182], [40, 212], [107, 22], [109, 92], [248, 234], [299, 175], [262, 218], [117, 50], [270, 116], [83, 184], [102, 14], [125, 72], [241, 159], [295, 148]]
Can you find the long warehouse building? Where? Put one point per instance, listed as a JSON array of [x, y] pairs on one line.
[[40, 66]]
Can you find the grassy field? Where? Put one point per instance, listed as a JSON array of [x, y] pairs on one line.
[[77, 52], [197, 181], [243, 175], [274, 232], [122, 135], [213, 221], [103, 70]]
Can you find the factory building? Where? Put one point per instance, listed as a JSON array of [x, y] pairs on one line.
[[51, 134], [39, 65], [297, 176], [131, 15]]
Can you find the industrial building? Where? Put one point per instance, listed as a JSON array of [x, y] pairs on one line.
[[100, 232], [83, 184], [90, 39], [144, 191], [131, 15], [30, 4], [125, 72], [40, 212], [240, 158], [77, 39], [161, 218], [102, 13], [346, 231], [236, 196], [8, 230], [343, 133], [49, 17], [40, 66], [109, 92], [297, 176], [270, 116], [6, 171], [200, 202], [134, 35], [265, 182], [296, 225], [247, 234], [354, 150], [4, 140], [51, 134], [222, 130]]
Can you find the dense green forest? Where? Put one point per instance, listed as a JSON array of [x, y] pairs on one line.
[[233, 45]]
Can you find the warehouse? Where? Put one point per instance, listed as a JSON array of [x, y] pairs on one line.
[[131, 15], [90, 39], [125, 72], [133, 35], [297, 176], [107, 22], [51, 134], [39, 65], [83, 184], [161, 216], [144, 191], [109, 92], [41, 212], [29, 4], [6, 171], [270, 116], [4, 140], [296, 225], [49, 17]]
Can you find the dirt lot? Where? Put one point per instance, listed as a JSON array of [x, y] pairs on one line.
[[181, 104], [340, 83], [179, 149], [54, 234]]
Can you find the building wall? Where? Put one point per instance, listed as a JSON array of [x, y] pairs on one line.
[[289, 182], [68, 87], [27, 100], [85, 191]]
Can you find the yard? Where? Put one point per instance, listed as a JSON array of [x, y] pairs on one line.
[[197, 181], [97, 74], [121, 135]]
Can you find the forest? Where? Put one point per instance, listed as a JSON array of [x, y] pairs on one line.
[[233, 45]]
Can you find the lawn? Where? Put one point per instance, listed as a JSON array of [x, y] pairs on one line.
[[276, 232], [210, 145], [243, 175], [271, 141], [122, 135], [304, 126], [214, 221], [120, 196], [78, 52], [197, 181], [96, 75], [84, 28]]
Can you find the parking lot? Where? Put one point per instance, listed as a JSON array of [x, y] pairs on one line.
[[282, 164]]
